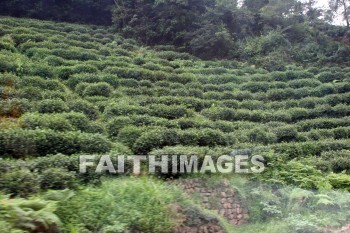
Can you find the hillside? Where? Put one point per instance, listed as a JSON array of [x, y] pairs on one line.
[[70, 89]]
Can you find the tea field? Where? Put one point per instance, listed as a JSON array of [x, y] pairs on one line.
[[70, 89]]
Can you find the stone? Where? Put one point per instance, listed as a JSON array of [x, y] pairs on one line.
[[234, 222], [234, 215], [222, 212]]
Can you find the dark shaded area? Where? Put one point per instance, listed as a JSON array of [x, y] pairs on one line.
[[81, 11], [212, 29]]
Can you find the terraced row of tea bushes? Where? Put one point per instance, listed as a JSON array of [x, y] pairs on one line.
[[71, 83]]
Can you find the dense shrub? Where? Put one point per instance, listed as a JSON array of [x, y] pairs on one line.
[[115, 124], [98, 89], [182, 78], [298, 114], [52, 106], [312, 148], [54, 60], [46, 121], [129, 82], [78, 120], [323, 123], [327, 77], [55, 95], [19, 143], [154, 139], [215, 113], [279, 94], [147, 199], [341, 132], [300, 83], [129, 134], [171, 55], [42, 70], [75, 54], [286, 134], [20, 182], [168, 111], [14, 107], [255, 86], [123, 109], [339, 181], [261, 136], [337, 161], [202, 137], [65, 72], [58, 178], [324, 89], [83, 106], [40, 164], [75, 79], [319, 134]]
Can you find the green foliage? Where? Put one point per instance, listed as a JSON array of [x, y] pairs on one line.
[[85, 107], [20, 143], [116, 124], [52, 106], [339, 181], [154, 139], [73, 89], [98, 89], [123, 108], [65, 72], [137, 204], [129, 134], [28, 215], [14, 107], [20, 182], [202, 137], [58, 178], [286, 134], [169, 112], [48, 121]]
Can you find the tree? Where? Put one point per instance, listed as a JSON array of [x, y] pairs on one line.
[[86, 11], [255, 5], [211, 41], [284, 9], [312, 12], [344, 5]]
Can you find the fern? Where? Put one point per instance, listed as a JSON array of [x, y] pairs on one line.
[[33, 215]]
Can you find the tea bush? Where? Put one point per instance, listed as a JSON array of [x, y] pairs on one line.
[[83, 106], [52, 106], [98, 89], [58, 178], [155, 138], [168, 111], [20, 182], [19, 143]]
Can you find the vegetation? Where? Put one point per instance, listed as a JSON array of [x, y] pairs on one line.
[[71, 89]]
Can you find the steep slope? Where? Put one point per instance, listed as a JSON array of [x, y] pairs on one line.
[[69, 89]]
